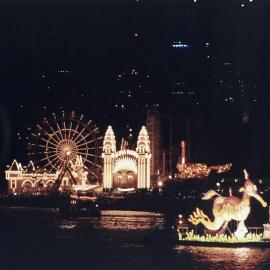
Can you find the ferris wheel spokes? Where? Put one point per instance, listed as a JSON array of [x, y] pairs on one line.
[[67, 133]]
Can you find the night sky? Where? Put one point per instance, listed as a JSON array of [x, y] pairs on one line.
[[68, 55]]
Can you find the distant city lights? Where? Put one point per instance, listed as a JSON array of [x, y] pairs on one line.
[[179, 44], [63, 71]]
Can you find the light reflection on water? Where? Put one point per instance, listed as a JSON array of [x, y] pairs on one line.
[[227, 258], [67, 224], [123, 227], [124, 231], [133, 240], [130, 220], [117, 221]]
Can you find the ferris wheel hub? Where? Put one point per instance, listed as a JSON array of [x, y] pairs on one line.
[[67, 148]]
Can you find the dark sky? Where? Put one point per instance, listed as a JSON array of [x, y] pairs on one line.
[[96, 40]]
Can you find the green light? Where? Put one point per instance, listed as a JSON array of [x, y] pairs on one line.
[[223, 238]]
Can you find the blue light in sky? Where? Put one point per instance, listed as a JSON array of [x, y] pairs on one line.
[[179, 44]]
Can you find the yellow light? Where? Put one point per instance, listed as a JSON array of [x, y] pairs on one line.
[[232, 208], [220, 238], [160, 184]]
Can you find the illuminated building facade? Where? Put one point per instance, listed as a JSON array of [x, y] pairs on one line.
[[126, 169], [30, 179]]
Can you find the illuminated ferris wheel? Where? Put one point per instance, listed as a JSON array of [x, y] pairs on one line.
[[66, 136]]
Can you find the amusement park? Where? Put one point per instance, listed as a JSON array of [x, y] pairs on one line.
[[79, 172]]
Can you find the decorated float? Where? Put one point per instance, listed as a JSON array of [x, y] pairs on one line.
[[225, 210]]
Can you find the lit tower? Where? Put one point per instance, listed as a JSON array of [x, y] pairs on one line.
[[109, 149], [144, 158], [13, 175], [78, 168], [183, 158]]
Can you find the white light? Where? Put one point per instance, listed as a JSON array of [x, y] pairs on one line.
[[241, 231], [160, 184], [125, 162], [126, 189], [179, 44], [218, 184]]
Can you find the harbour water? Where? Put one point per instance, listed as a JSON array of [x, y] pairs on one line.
[[33, 238]]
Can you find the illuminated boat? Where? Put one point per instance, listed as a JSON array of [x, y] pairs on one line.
[[226, 209], [262, 244], [78, 205], [250, 240]]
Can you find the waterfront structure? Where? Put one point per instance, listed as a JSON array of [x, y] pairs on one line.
[[33, 180], [197, 170], [126, 169]]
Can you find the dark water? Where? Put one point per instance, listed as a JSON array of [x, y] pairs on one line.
[[39, 239]]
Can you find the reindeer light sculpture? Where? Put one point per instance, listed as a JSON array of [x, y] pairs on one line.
[[229, 208]]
